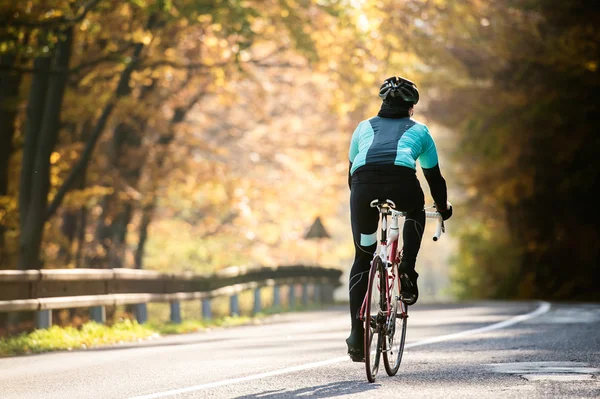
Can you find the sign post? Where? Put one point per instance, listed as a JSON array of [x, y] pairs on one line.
[[317, 232]]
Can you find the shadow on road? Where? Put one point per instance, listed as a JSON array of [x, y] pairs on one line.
[[330, 390]]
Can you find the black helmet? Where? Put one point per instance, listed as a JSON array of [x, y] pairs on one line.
[[398, 89]]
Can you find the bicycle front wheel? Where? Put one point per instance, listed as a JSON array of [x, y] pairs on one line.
[[395, 328], [373, 318]]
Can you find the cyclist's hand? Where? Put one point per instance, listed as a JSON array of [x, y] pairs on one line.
[[447, 212]]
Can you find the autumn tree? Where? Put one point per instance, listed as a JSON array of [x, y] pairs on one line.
[[527, 142], [95, 66]]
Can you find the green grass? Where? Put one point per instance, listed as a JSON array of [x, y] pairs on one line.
[[188, 326], [92, 334], [68, 338]]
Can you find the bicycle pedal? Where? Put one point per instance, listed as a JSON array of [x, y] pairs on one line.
[[373, 322]]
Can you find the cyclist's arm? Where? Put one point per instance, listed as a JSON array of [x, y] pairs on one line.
[[437, 186], [352, 152], [431, 169]]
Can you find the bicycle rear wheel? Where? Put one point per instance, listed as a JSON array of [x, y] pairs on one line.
[[373, 317], [395, 334]]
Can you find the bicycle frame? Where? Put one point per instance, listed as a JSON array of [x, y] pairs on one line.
[[392, 308], [390, 258], [391, 243]]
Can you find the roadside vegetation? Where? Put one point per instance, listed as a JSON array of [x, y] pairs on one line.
[[92, 334]]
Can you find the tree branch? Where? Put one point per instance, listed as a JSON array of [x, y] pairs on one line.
[[83, 160], [23, 70], [110, 57], [195, 66], [53, 21], [179, 65], [181, 112], [108, 108], [228, 219], [117, 55]]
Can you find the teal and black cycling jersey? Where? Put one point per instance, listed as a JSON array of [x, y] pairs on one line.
[[392, 141]]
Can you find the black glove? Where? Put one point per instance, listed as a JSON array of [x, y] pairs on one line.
[[446, 213]]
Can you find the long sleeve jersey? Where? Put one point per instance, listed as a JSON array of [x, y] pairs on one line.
[[400, 142]]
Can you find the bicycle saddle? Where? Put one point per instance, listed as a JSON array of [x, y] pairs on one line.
[[376, 203]]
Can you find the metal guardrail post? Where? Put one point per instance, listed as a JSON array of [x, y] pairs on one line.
[[206, 309], [327, 293], [175, 312], [98, 314], [43, 319], [317, 294], [141, 312], [292, 296], [276, 296], [305, 294], [234, 305], [257, 305]]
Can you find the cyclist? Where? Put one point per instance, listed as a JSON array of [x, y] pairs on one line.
[[383, 154]]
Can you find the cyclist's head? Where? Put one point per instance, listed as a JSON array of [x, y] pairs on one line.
[[398, 91]]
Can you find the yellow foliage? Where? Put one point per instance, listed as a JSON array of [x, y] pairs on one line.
[[54, 158], [267, 142]]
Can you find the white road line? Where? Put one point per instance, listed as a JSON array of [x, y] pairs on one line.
[[543, 308]]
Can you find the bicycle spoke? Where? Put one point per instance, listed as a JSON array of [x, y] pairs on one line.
[[374, 319], [395, 334]]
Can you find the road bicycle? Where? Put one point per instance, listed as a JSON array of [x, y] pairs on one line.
[[383, 312]]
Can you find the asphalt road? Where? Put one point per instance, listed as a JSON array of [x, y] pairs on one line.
[[468, 350]]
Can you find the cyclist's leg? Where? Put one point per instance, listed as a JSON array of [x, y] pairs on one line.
[[364, 221], [409, 197], [412, 234]]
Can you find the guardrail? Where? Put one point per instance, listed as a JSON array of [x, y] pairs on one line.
[[42, 291]]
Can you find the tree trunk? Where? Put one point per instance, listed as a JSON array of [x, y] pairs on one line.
[[147, 214], [81, 213], [129, 161], [163, 143], [39, 147], [9, 97], [30, 241], [69, 231], [9, 93], [33, 121], [74, 219], [81, 236]]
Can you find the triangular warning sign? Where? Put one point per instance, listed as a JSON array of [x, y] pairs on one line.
[[317, 230]]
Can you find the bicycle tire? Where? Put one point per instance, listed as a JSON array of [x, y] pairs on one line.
[[371, 318], [395, 334]]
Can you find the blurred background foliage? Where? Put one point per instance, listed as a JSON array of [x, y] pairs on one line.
[[200, 134]]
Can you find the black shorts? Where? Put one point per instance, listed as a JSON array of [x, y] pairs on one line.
[[396, 183]]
